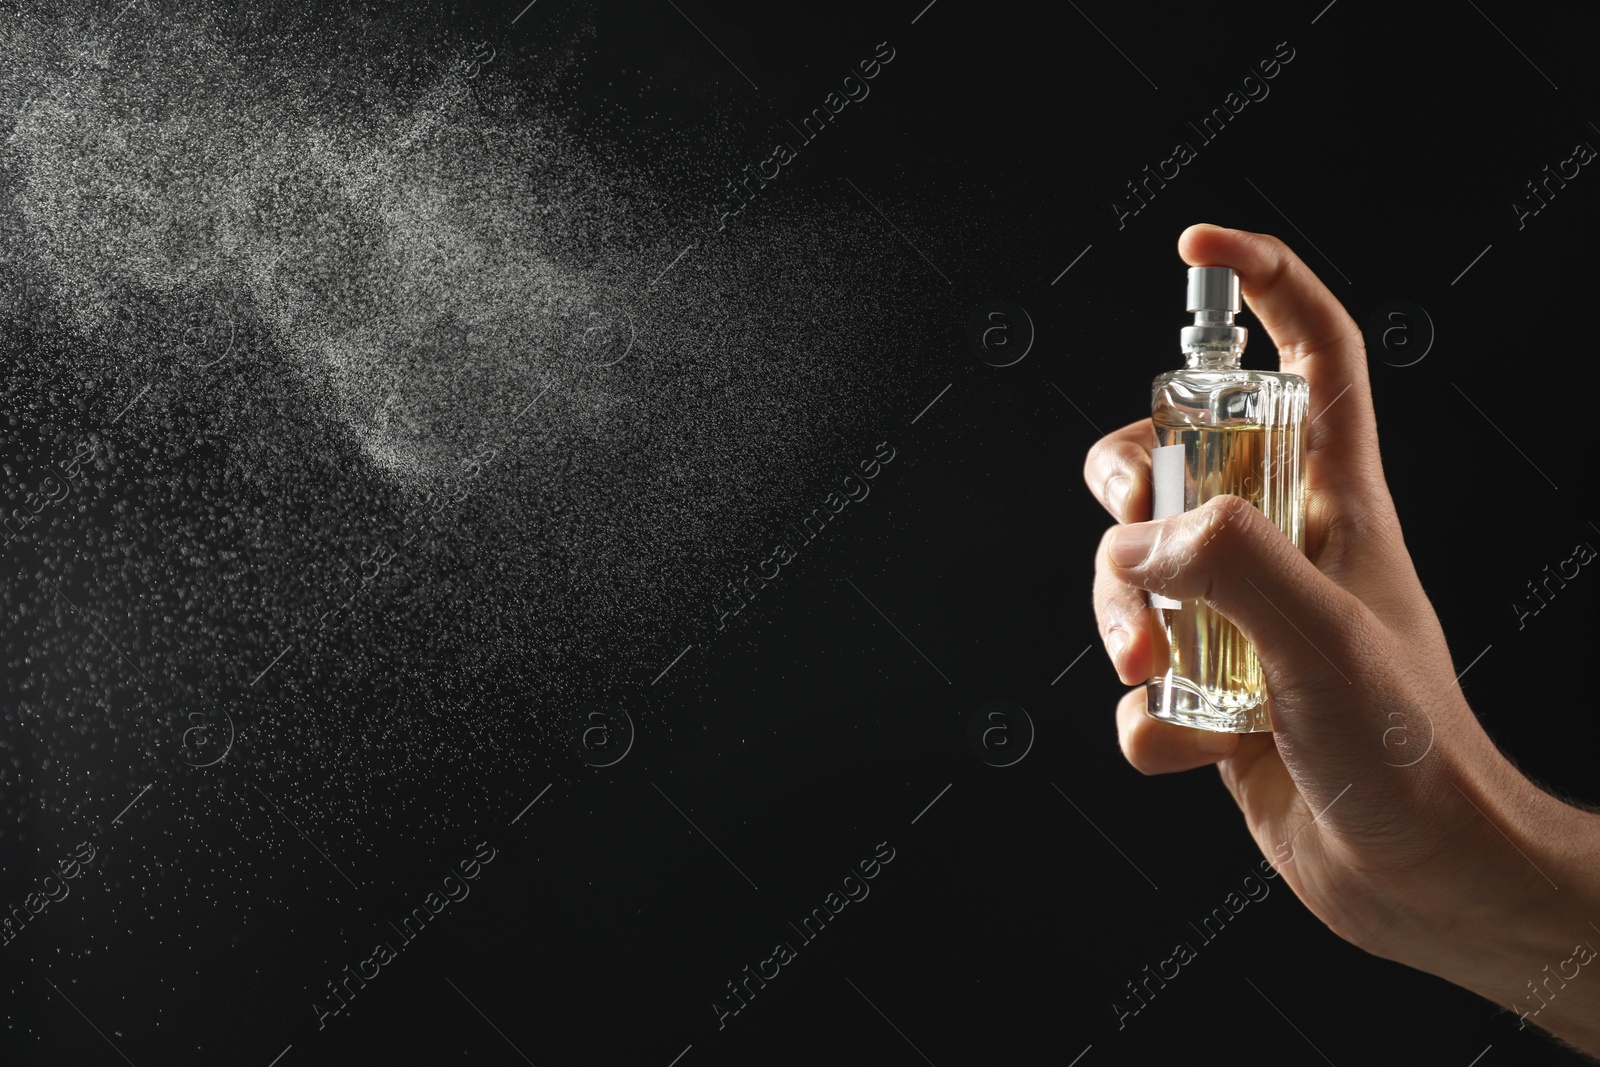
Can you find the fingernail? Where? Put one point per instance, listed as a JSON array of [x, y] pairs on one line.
[[1216, 743], [1131, 544], [1115, 644]]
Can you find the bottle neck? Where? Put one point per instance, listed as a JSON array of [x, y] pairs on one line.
[[1212, 357], [1213, 342]]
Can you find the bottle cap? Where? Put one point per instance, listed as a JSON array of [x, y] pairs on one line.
[[1213, 289], [1213, 297]]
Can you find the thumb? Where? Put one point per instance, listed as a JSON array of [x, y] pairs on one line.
[[1349, 700], [1307, 631]]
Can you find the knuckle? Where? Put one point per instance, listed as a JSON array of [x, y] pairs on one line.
[[1105, 459], [1273, 246], [1218, 531], [1093, 462], [1120, 613], [1276, 252], [1220, 525], [1351, 527]]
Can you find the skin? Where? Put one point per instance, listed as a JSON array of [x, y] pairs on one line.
[[1378, 796]]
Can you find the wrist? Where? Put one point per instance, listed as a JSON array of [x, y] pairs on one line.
[[1519, 923]]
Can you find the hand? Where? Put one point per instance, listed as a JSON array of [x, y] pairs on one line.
[[1378, 796]]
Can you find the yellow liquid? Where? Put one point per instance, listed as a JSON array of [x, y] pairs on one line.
[[1214, 680]]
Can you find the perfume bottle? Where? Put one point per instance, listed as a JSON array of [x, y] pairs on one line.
[[1220, 430]]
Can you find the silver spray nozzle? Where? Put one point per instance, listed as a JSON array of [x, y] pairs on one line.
[[1213, 297], [1213, 289]]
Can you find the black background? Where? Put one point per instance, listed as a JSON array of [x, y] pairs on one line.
[[1008, 922]]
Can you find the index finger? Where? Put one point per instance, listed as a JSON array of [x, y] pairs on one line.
[[1316, 339], [1117, 471]]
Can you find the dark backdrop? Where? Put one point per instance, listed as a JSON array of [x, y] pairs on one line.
[[831, 723]]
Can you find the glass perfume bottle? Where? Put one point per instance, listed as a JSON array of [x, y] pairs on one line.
[[1220, 430]]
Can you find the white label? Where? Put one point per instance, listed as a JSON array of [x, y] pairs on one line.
[[1166, 482]]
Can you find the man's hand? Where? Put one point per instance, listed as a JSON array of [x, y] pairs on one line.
[[1378, 796]]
